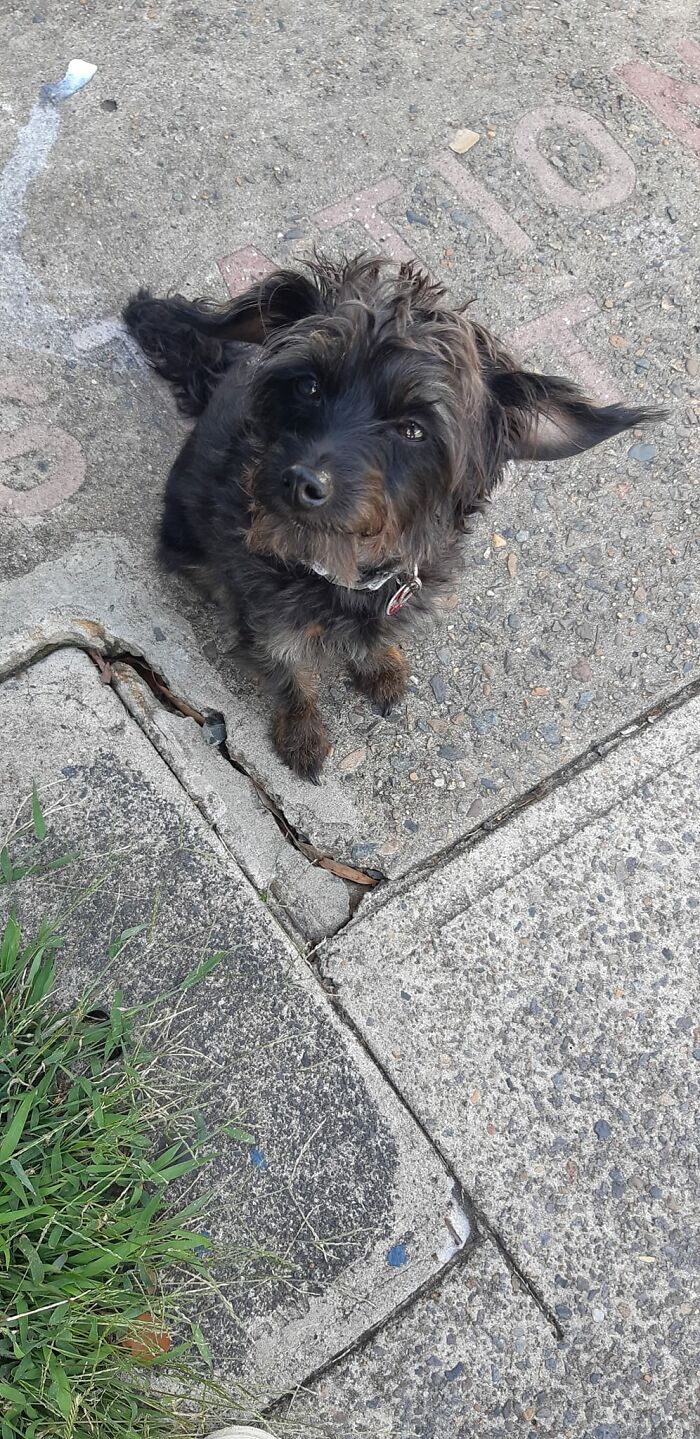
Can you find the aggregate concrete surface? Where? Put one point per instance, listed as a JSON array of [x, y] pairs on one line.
[[96, 597], [339, 1174], [546, 1036], [444, 1367], [207, 132], [212, 141]]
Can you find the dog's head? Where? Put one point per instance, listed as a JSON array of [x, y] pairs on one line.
[[380, 417]]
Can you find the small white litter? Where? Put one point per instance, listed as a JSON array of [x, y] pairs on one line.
[[463, 141], [79, 73], [241, 1431]]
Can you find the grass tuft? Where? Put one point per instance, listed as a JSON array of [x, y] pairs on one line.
[[96, 1269]]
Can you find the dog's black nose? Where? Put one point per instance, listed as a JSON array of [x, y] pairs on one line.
[[307, 488]]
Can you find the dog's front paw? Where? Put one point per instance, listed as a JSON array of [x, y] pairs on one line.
[[301, 740], [383, 679]]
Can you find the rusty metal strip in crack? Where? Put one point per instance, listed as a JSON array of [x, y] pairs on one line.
[[105, 665]]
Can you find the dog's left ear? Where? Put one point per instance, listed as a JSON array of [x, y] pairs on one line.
[[542, 417], [272, 304]]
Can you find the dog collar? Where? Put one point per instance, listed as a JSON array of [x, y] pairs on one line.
[[373, 582], [400, 597]]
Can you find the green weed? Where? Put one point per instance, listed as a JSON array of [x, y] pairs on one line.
[[99, 1265]]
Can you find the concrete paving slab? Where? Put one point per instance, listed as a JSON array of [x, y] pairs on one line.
[[310, 901], [341, 1185], [572, 220], [212, 141], [471, 1357], [540, 1016], [439, 892], [98, 597]]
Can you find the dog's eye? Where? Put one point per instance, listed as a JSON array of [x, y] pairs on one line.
[[411, 430], [308, 387]]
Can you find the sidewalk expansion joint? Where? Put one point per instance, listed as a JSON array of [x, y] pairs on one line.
[[214, 724], [480, 1225], [428, 1287], [579, 765]]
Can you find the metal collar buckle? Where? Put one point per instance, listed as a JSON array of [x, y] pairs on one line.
[[374, 582], [403, 594]]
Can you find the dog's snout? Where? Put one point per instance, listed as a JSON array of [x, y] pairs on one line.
[[305, 487]]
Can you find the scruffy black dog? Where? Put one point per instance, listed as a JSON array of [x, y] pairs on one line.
[[351, 422]]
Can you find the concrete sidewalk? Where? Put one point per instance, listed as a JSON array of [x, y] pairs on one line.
[[536, 1003], [473, 1086]]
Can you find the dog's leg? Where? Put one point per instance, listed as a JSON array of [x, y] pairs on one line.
[[297, 727], [275, 657], [179, 546], [298, 730], [383, 675]]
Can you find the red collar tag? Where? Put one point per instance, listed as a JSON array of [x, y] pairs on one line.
[[403, 595]]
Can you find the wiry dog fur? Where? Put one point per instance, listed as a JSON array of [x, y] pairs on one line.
[[401, 410]]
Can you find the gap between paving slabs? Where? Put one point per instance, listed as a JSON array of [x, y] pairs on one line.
[[624, 807], [430, 1290], [361, 882], [579, 765], [102, 595], [123, 669], [482, 1225], [113, 672], [123, 666], [213, 725], [119, 672], [133, 678]]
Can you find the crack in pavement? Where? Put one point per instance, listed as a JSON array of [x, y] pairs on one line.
[[108, 667], [479, 1223], [558, 779]]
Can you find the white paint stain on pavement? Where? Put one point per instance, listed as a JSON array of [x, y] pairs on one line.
[[32, 323]]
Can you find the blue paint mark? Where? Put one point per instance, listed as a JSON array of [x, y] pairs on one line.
[[258, 1159], [397, 1255]]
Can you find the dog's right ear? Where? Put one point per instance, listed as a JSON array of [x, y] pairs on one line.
[[272, 304], [544, 417]]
